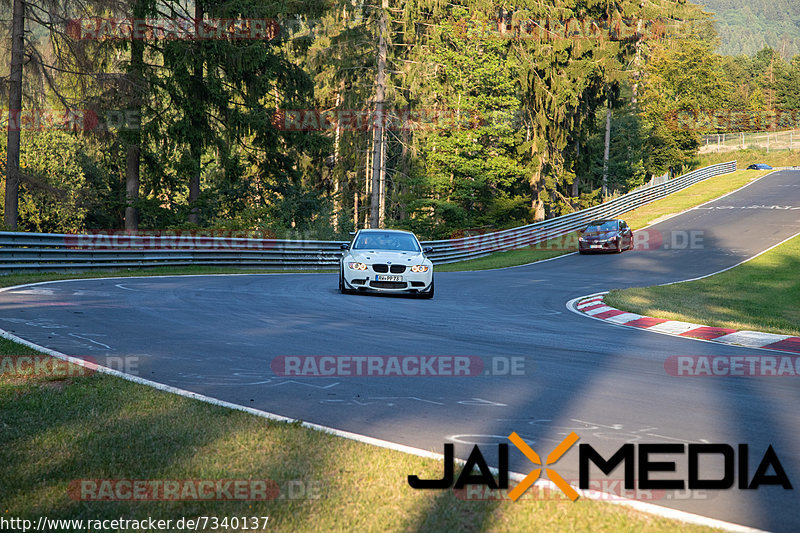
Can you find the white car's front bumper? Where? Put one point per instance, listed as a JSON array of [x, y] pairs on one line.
[[372, 279]]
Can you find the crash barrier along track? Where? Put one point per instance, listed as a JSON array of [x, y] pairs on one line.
[[47, 251]]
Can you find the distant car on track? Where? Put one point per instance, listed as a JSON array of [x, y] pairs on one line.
[[387, 261], [759, 166], [613, 235]]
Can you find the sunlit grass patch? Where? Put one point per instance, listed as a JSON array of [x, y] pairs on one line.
[[761, 294]]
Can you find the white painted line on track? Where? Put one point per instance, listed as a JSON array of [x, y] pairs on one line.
[[122, 286], [106, 346]]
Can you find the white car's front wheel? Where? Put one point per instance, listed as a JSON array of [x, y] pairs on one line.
[[427, 295], [342, 287]]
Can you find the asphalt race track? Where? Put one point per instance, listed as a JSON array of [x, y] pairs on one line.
[[217, 335]]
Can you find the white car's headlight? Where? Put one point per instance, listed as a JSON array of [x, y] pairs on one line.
[[419, 268], [357, 266]]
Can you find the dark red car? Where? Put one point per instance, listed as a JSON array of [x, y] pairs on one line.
[[606, 236]]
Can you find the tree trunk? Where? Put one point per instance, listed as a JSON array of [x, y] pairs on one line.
[[337, 200], [577, 181], [537, 205], [132, 187], [382, 182], [11, 212], [378, 140], [355, 207], [196, 142], [134, 137], [637, 73], [404, 166], [367, 188], [606, 150]]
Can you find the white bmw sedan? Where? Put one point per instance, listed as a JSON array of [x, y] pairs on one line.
[[390, 261]]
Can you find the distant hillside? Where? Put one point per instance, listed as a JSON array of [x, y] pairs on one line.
[[747, 26]]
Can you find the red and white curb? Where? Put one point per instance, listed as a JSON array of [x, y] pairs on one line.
[[594, 307]]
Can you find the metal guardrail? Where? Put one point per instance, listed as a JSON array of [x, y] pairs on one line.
[[50, 251]]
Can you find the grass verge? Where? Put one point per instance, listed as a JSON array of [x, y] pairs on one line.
[[58, 431], [745, 158], [759, 295]]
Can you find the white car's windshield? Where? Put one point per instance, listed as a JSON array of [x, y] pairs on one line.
[[386, 240]]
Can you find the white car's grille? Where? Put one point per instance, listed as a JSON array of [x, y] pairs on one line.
[[382, 268]]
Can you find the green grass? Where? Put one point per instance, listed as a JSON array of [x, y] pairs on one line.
[[101, 427], [745, 158], [760, 295]]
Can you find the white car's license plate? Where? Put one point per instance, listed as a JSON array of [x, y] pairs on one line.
[[389, 278], [596, 246]]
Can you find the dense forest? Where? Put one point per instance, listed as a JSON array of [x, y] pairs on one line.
[[311, 119], [749, 26]]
